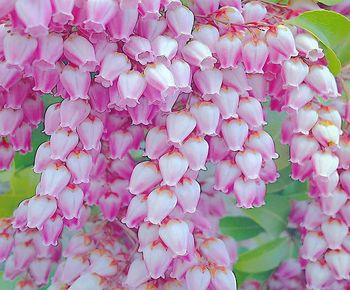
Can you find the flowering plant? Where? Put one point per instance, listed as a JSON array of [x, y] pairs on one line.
[[167, 144]]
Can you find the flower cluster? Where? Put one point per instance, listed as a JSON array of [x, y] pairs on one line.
[[184, 87], [319, 152]]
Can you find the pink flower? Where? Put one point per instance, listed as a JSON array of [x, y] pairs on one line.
[[281, 44], [160, 203], [145, 176], [7, 155], [254, 55], [198, 277], [174, 233], [35, 15], [99, 13], [80, 52], [112, 66], [62, 11], [75, 82], [40, 209], [157, 259], [198, 54], [173, 166], [180, 20]]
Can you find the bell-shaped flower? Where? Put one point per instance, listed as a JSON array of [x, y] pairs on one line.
[[75, 82], [228, 50], [250, 110], [136, 212], [179, 125], [324, 163], [36, 16], [122, 25], [79, 164], [62, 11], [52, 230], [339, 263], [73, 113], [174, 233], [156, 143], [160, 203], [7, 154], [157, 258], [254, 55], [40, 209], [62, 142], [223, 278], [70, 200], [281, 44], [254, 11], [198, 54], [215, 251], [98, 14], [145, 176], [10, 120], [139, 49], [137, 273], [321, 80], [235, 133], [79, 51], [208, 82], [198, 278], [90, 132], [180, 21], [173, 166], [195, 149], [110, 204], [187, 192], [308, 46], [334, 231]]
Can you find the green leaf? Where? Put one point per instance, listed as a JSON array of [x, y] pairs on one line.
[[240, 277], [38, 137], [7, 285], [296, 191], [282, 182], [263, 258], [273, 127], [240, 228], [22, 186], [280, 2], [332, 30], [27, 160], [273, 216], [330, 2]]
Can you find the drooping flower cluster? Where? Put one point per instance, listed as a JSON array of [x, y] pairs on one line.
[[319, 151], [183, 86]]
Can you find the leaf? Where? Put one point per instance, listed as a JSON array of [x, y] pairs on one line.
[[273, 216], [27, 160], [296, 191], [240, 228], [7, 285], [22, 186], [332, 30], [38, 137], [273, 127], [280, 2], [282, 182], [263, 258], [330, 2]]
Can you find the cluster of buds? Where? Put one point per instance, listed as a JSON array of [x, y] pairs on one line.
[[185, 87]]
